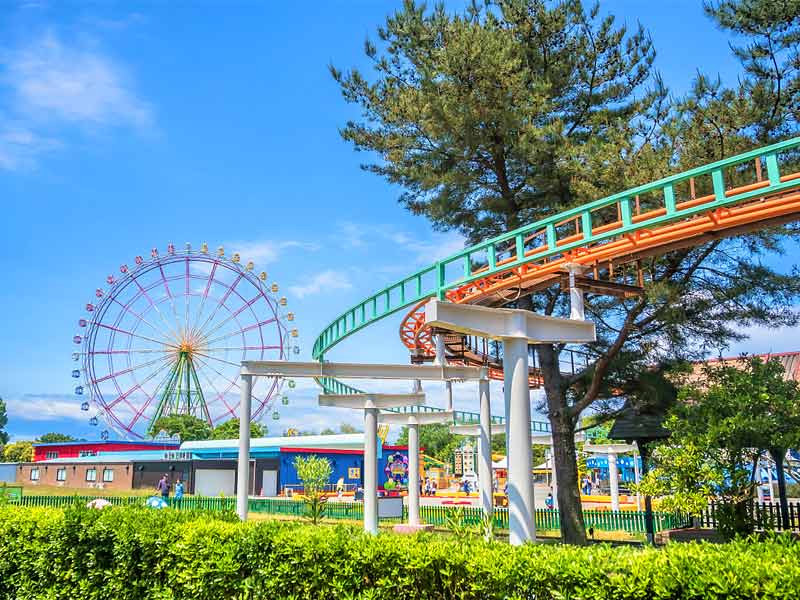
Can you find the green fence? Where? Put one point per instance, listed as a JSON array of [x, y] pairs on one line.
[[600, 520]]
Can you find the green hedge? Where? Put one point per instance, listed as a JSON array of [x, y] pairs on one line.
[[128, 552]]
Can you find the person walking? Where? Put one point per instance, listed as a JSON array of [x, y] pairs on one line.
[[163, 488], [178, 493]]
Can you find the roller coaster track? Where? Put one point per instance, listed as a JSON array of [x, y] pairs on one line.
[[722, 199]]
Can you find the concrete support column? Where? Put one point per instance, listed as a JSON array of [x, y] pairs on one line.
[[371, 470], [576, 310], [770, 481], [449, 386], [485, 478], [553, 473], [243, 465], [637, 478], [413, 473], [440, 353], [613, 478], [522, 527]]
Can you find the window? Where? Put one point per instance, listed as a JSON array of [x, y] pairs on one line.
[[83, 453], [61, 474], [51, 454], [108, 475], [35, 474], [91, 474]]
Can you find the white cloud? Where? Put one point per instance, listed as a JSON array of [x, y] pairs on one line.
[[324, 281], [44, 407], [267, 251], [426, 249], [55, 82], [20, 147]]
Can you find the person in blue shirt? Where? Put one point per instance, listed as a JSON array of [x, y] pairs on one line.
[[178, 493]]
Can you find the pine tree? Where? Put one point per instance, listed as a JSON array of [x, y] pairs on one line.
[[513, 111]]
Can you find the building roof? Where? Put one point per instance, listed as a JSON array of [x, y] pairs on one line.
[[155, 444], [109, 457], [273, 445], [789, 360], [636, 424]]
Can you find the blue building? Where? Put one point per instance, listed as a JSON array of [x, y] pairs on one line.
[[599, 464], [272, 468]]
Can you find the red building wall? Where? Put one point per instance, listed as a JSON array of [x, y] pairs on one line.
[[74, 449]]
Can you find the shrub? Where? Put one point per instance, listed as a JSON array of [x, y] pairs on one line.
[[135, 553]]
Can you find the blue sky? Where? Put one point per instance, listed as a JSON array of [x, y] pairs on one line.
[[122, 129]]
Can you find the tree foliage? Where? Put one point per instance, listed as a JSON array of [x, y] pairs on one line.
[[507, 112], [725, 421], [187, 427], [3, 422], [54, 437], [18, 452], [229, 430], [315, 472]]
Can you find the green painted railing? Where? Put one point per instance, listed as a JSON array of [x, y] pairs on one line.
[[513, 248], [540, 240], [440, 516]]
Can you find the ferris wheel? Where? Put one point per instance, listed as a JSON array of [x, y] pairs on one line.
[[167, 334]]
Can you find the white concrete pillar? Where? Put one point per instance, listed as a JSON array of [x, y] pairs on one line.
[[613, 479], [576, 310], [243, 465], [770, 481], [449, 386], [413, 473], [440, 351], [553, 474], [485, 478], [522, 527], [371, 470]]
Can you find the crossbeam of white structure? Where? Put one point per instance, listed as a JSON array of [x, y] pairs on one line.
[[504, 323], [516, 329], [371, 404], [280, 368], [611, 451], [379, 401]]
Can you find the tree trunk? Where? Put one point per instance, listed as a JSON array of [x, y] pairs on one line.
[[778, 456], [562, 426]]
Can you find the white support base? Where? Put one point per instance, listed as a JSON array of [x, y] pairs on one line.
[[503, 323]]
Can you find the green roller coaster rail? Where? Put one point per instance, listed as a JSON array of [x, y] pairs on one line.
[[481, 260]]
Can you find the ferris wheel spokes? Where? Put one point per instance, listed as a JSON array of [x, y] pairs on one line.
[[132, 369], [221, 302], [154, 306], [186, 358]]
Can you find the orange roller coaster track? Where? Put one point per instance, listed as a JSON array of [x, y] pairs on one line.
[[743, 193]]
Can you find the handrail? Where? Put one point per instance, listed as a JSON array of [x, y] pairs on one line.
[[543, 241], [516, 244]]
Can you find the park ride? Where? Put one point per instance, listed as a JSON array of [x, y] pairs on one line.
[[595, 247], [463, 294], [166, 336]]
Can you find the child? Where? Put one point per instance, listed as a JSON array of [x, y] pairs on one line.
[[178, 493]]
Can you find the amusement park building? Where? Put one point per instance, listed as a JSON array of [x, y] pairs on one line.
[[208, 468], [84, 448]]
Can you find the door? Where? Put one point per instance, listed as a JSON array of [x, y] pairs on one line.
[[213, 482], [269, 483]]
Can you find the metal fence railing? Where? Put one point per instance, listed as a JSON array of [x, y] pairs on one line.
[[632, 522], [765, 515]]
